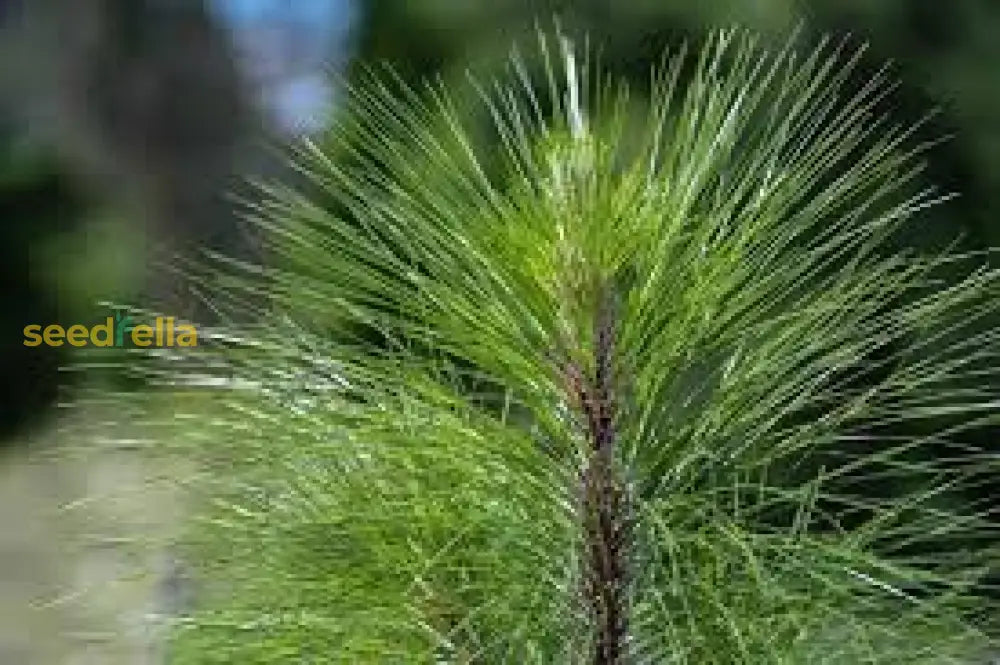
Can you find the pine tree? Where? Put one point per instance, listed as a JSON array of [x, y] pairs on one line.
[[612, 389]]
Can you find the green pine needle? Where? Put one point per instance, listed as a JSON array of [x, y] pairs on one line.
[[698, 312]]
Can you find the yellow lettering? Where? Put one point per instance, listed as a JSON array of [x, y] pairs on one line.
[[31, 336], [187, 335], [53, 335], [142, 335], [77, 335], [106, 329]]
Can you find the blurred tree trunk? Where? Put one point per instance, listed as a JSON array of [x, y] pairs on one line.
[[141, 108]]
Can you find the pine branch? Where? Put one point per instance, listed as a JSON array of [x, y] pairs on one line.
[[604, 387]]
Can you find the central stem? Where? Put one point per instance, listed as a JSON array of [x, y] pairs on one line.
[[605, 510]]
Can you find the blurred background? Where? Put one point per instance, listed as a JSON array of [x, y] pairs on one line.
[[125, 126]]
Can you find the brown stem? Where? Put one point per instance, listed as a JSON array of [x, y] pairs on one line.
[[605, 502]]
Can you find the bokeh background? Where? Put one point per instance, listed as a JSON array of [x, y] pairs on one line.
[[127, 125]]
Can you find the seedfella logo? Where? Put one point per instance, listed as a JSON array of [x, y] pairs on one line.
[[117, 331]]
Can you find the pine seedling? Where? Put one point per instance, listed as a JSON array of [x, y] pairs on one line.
[[604, 388]]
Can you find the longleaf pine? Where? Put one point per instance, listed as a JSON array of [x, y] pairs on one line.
[[556, 376]]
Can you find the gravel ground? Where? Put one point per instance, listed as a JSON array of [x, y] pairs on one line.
[[85, 575]]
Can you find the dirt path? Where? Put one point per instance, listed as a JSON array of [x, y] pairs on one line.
[[83, 556]]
